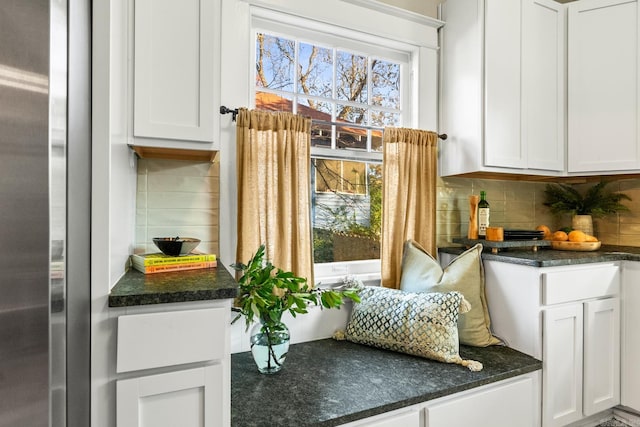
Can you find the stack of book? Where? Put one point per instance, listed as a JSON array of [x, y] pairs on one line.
[[161, 263]]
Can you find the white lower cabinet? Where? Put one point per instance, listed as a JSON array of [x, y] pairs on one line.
[[409, 417], [173, 366], [569, 316], [630, 336], [507, 403], [186, 398], [581, 354]]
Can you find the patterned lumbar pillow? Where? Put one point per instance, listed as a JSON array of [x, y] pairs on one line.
[[421, 324], [422, 273]]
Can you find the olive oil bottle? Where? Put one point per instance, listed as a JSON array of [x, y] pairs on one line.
[[483, 215]]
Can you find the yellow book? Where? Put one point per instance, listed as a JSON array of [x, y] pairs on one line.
[[175, 267], [158, 258]]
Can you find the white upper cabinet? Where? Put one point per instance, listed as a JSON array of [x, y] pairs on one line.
[[175, 71], [543, 84], [502, 97], [603, 87], [502, 73]]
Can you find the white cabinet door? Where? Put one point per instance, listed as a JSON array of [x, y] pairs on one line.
[[630, 335], [510, 404], [400, 418], [461, 108], [601, 355], [562, 365], [543, 83], [174, 72], [188, 398], [503, 145], [603, 86]]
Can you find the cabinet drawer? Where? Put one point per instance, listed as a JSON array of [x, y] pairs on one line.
[[580, 283], [509, 404], [400, 418], [171, 338]]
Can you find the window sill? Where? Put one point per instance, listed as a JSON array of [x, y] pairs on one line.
[[332, 273]]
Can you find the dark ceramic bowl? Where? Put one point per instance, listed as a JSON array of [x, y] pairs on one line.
[[176, 246]]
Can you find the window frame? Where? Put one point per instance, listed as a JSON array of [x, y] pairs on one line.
[[320, 33]]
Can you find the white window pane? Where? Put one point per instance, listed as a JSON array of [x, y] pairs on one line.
[[385, 84], [274, 62], [315, 70], [351, 77], [346, 209], [273, 102]]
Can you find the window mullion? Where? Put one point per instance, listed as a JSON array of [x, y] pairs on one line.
[[369, 102], [334, 96], [296, 77]]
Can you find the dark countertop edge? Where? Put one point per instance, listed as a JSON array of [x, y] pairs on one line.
[[555, 258], [405, 403], [170, 297], [135, 288]]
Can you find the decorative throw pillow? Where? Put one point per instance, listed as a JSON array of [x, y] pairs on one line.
[[422, 273], [421, 324]]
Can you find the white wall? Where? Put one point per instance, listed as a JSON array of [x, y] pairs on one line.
[[177, 198], [423, 7]]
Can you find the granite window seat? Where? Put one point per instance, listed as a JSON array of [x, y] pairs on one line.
[[329, 383]]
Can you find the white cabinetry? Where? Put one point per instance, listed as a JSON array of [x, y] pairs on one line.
[[186, 398], [507, 403], [581, 350], [502, 97], [603, 90], [570, 317], [175, 71], [407, 417], [173, 368], [630, 336], [543, 84]]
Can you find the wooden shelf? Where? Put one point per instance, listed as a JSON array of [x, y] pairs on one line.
[[145, 152]]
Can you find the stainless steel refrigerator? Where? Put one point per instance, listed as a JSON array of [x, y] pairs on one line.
[[45, 158]]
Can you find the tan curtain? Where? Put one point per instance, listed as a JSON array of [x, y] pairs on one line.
[[273, 164], [408, 196]]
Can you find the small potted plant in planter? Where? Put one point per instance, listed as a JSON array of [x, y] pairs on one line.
[[265, 293], [596, 202]]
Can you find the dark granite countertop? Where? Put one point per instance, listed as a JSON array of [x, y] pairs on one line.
[[136, 288], [544, 257], [328, 382]]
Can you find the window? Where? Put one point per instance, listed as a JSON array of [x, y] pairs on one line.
[[351, 90]]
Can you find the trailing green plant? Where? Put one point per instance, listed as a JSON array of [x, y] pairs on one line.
[[563, 198], [265, 292]]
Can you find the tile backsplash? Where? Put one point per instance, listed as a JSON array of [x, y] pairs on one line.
[[519, 205], [181, 198], [177, 198]]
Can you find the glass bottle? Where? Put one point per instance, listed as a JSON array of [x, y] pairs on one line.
[[483, 215]]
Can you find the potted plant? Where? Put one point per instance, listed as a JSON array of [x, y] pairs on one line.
[[595, 202], [265, 293]]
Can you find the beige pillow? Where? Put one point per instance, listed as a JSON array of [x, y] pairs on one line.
[[422, 324], [422, 273]]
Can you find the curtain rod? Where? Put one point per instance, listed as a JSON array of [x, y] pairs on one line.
[[234, 113]]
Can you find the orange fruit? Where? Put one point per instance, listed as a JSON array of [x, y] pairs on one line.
[[591, 238], [560, 236], [577, 236], [546, 230]]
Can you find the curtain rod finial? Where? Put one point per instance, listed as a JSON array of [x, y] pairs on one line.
[[225, 110]]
